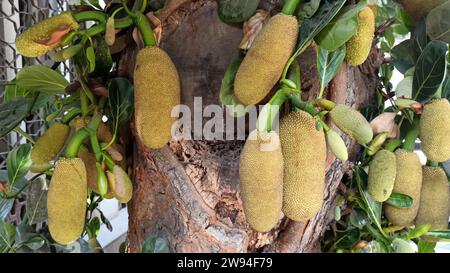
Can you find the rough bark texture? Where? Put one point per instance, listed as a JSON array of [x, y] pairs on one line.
[[188, 191]]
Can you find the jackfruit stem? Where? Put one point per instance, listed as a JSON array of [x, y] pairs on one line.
[[392, 145], [432, 164], [107, 159], [75, 143], [74, 112], [142, 24], [84, 16], [410, 138], [305, 106], [102, 181], [290, 6]]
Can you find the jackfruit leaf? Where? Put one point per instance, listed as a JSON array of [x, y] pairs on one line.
[[430, 71], [156, 4], [328, 64], [440, 234], [418, 231], [121, 100], [312, 26], [400, 200], [404, 87], [93, 227], [18, 162], [35, 242], [370, 206], [12, 90], [445, 93], [426, 247], [37, 201], [105, 220], [357, 218], [18, 187], [7, 236], [348, 238], [90, 55], [41, 78], [5, 207], [308, 9], [236, 11], [227, 96], [103, 59], [402, 56], [438, 23], [155, 245], [419, 38], [341, 28]]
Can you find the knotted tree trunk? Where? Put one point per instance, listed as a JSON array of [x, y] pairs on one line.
[[188, 192]]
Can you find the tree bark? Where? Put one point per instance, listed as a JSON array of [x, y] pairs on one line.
[[188, 192]]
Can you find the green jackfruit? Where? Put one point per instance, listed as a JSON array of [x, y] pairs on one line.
[[435, 130], [120, 184], [434, 199], [50, 143], [89, 161], [157, 92], [358, 47], [66, 201], [304, 152], [352, 123], [103, 132], [408, 180], [382, 172], [419, 8], [337, 145], [265, 61], [261, 180], [32, 42]]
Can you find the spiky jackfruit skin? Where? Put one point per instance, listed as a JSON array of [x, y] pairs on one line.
[[265, 61], [358, 47], [50, 143], [408, 180], [382, 173], [156, 92], [352, 123], [26, 42], [435, 130], [434, 199], [261, 180], [419, 8], [103, 132], [66, 201], [120, 184], [304, 153], [89, 161]]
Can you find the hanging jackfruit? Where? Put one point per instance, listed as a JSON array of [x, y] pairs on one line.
[[382, 173], [358, 47], [304, 153], [50, 143], [120, 184], [352, 123]]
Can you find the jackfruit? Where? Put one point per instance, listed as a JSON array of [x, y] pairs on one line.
[[419, 8], [157, 91], [120, 184], [408, 180], [89, 161], [358, 47], [103, 132], [66, 201], [374, 9], [261, 180], [304, 152], [32, 42], [382, 173], [352, 123], [50, 143], [434, 199], [265, 61], [337, 145], [435, 130]]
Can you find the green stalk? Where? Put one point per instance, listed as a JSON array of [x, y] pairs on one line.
[[85, 16], [74, 112], [107, 159], [24, 134], [410, 138], [290, 6], [307, 107], [84, 103], [432, 164], [141, 22], [75, 143]]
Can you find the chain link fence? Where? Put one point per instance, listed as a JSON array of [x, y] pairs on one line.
[[15, 17]]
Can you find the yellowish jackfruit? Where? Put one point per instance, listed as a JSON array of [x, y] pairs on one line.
[[103, 132], [50, 143], [265, 61], [89, 161], [31, 42], [352, 123], [434, 199], [358, 47], [66, 201], [120, 184], [261, 180], [382, 173], [304, 152], [157, 91], [374, 9], [419, 8], [435, 130], [408, 181]]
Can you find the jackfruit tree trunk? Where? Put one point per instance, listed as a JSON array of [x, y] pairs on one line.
[[188, 192]]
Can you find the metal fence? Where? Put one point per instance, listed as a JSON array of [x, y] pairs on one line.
[[16, 16]]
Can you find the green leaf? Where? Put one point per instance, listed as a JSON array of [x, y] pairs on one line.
[[328, 64], [41, 78], [35, 242], [357, 218], [12, 90], [7, 236], [418, 231], [441, 234], [5, 207], [12, 113], [340, 29], [121, 100], [90, 55], [155, 245], [18, 162], [226, 96], [404, 87], [236, 11], [438, 23], [430, 71], [399, 200], [37, 201], [426, 246], [403, 56], [419, 38], [347, 239]]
